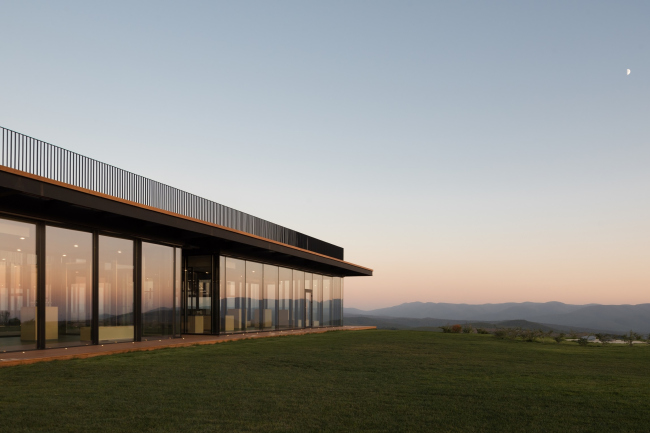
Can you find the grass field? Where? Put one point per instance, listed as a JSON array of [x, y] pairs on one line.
[[384, 381]]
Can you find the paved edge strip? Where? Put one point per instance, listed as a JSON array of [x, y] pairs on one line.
[[173, 344]]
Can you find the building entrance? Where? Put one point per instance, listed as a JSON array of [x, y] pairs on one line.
[[197, 296]]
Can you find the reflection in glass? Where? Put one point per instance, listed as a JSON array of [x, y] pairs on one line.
[[253, 295], [336, 303], [308, 308], [342, 306], [284, 304], [17, 286], [308, 300], [270, 297], [232, 297], [317, 311], [115, 289], [327, 301], [157, 291], [257, 296], [178, 263], [308, 279], [222, 293], [298, 299], [68, 287]]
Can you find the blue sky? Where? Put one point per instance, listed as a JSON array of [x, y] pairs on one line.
[[467, 151]]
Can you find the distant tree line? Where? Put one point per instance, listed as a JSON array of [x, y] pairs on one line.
[[538, 335]]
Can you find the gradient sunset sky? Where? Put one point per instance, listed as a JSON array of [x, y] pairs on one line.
[[466, 151]]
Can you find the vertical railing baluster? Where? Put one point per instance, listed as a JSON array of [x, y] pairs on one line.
[[30, 155]]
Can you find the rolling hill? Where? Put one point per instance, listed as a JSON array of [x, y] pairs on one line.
[[611, 318]]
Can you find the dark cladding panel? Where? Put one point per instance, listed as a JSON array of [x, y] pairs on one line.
[[318, 246]]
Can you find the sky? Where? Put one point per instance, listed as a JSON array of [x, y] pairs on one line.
[[468, 152]]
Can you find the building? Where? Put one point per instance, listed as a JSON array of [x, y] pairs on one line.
[[92, 254]]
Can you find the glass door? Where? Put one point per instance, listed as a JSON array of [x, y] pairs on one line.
[[308, 307], [198, 295]]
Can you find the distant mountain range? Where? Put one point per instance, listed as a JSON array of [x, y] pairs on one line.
[[611, 318]]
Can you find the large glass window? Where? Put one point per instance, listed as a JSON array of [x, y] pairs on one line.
[[298, 299], [233, 295], [157, 291], [285, 307], [308, 300], [68, 287], [342, 298], [17, 286], [115, 291], [317, 311], [222, 285], [308, 278], [270, 297], [327, 301], [253, 295], [178, 272], [257, 296], [336, 302]]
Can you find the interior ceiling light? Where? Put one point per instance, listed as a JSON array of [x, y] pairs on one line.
[[64, 255], [76, 246], [18, 249], [22, 239], [119, 252]]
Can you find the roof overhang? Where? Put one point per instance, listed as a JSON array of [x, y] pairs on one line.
[[33, 196]]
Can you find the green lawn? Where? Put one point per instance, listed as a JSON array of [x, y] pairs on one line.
[[339, 381]]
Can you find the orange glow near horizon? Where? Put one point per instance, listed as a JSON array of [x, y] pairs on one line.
[[583, 274]]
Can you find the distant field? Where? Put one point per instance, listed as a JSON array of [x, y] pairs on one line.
[[432, 324], [384, 381]]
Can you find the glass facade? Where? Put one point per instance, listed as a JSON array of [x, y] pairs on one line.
[[17, 286], [337, 308], [327, 301], [158, 282], [342, 305], [254, 315], [285, 298], [252, 296], [308, 309], [68, 287], [257, 296], [308, 300], [317, 310], [298, 299], [233, 295], [178, 276], [115, 289], [270, 297]]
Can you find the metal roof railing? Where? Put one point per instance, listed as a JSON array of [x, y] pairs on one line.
[[39, 158]]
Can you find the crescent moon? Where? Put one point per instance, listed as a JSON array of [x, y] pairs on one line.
[[628, 72]]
